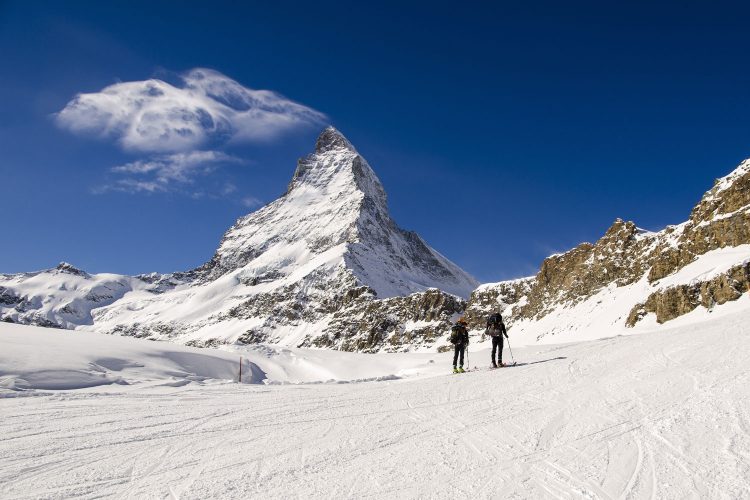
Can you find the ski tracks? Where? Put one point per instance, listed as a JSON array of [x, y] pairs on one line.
[[612, 422]]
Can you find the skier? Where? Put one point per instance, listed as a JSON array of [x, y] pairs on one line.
[[496, 330], [460, 340]]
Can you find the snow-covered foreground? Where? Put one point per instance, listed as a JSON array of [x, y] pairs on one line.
[[35, 358], [660, 415]]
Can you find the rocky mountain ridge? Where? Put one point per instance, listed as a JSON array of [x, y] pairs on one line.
[[641, 266]]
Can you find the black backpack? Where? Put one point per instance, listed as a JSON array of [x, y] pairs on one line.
[[493, 324], [456, 333]]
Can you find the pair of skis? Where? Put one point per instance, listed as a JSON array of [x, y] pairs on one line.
[[475, 369], [491, 367], [506, 365]]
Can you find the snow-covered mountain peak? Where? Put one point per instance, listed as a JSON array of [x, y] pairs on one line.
[[337, 168], [331, 139], [66, 267], [335, 208]]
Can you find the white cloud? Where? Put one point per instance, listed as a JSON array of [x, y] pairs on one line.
[[134, 186], [251, 202], [207, 109], [164, 173]]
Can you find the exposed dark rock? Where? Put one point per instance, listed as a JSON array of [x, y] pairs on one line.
[[331, 139], [394, 324], [204, 343], [675, 301], [64, 267], [8, 297]]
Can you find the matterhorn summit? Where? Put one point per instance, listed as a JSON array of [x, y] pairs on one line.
[[334, 214], [323, 265]]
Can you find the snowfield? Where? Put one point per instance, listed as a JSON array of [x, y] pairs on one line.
[[658, 415]]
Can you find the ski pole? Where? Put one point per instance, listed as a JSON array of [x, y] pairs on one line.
[[511, 351]]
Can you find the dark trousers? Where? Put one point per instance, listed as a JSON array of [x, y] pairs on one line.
[[458, 349], [497, 345]]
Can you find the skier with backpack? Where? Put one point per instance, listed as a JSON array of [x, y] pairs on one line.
[[460, 340], [496, 330]]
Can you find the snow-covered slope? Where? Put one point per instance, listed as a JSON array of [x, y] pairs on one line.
[[660, 415], [53, 359], [35, 358], [299, 271]]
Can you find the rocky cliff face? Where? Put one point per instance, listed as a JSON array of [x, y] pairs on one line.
[[324, 265], [719, 220], [394, 324], [668, 273], [673, 302]]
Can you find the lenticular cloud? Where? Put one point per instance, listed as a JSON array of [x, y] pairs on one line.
[[155, 116]]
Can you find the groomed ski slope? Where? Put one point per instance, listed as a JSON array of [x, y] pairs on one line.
[[658, 415]]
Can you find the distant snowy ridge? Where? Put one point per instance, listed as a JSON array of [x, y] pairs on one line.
[[61, 297]]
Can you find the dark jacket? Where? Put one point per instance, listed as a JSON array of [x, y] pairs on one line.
[[459, 334], [495, 326]]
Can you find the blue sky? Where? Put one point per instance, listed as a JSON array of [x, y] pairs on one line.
[[502, 134]]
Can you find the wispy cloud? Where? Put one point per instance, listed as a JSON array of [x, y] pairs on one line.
[[207, 108], [251, 202], [163, 173], [179, 129]]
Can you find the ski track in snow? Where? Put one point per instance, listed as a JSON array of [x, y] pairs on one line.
[[661, 415]]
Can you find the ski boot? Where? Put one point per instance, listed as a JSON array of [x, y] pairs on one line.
[[455, 370], [461, 369]]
